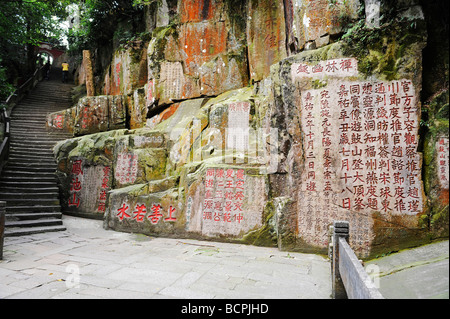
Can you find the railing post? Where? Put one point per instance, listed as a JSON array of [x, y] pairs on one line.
[[2, 227], [339, 229]]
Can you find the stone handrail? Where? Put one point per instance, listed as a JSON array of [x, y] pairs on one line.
[[10, 103], [349, 279], [2, 227]]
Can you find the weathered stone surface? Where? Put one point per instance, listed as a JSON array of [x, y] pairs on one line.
[[315, 20], [128, 160], [442, 147], [137, 109], [201, 56], [88, 189], [91, 115], [87, 63], [61, 121], [346, 125], [128, 71], [133, 209], [225, 201], [199, 10], [331, 133], [164, 115], [266, 36]]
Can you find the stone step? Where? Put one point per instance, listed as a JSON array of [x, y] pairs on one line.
[[13, 188], [25, 202], [30, 115], [32, 209], [34, 222], [31, 160], [31, 123], [31, 167], [33, 179], [31, 143], [23, 151], [33, 149], [23, 231], [32, 175], [33, 135], [31, 216], [28, 182], [28, 195]]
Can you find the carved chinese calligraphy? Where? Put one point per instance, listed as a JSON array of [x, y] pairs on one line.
[[104, 190], [337, 67], [89, 187], [228, 202], [154, 214], [224, 194], [442, 147], [360, 140], [172, 79], [75, 185], [126, 168]]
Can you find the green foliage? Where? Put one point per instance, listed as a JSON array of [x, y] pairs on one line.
[[103, 21], [24, 24], [5, 88]]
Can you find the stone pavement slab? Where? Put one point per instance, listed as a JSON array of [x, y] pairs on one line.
[[419, 273], [86, 261]]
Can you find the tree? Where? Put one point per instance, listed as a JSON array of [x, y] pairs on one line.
[[23, 24]]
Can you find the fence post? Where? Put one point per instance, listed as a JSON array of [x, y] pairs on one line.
[[2, 227], [339, 229]]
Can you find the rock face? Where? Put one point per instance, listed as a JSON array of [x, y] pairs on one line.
[[330, 129]]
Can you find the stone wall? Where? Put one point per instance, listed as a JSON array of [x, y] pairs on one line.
[[263, 122]]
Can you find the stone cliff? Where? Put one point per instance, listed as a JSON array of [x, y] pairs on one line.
[[262, 122]]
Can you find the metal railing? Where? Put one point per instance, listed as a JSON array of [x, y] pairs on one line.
[[349, 278], [10, 103]]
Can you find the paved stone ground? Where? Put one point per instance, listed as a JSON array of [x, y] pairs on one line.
[[419, 273], [86, 261]]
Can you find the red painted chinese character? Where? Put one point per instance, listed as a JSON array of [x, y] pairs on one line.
[[317, 68], [140, 212], [302, 68], [102, 195], [238, 218], [74, 201], [156, 214], [76, 167], [123, 212], [240, 184], [346, 203], [59, 121], [239, 195], [331, 66], [101, 207], [75, 185], [227, 217], [207, 215], [228, 206], [240, 174], [346, 65], [219, 173], [171, 218]]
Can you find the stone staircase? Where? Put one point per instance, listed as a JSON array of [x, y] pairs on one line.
[[28, 182]]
